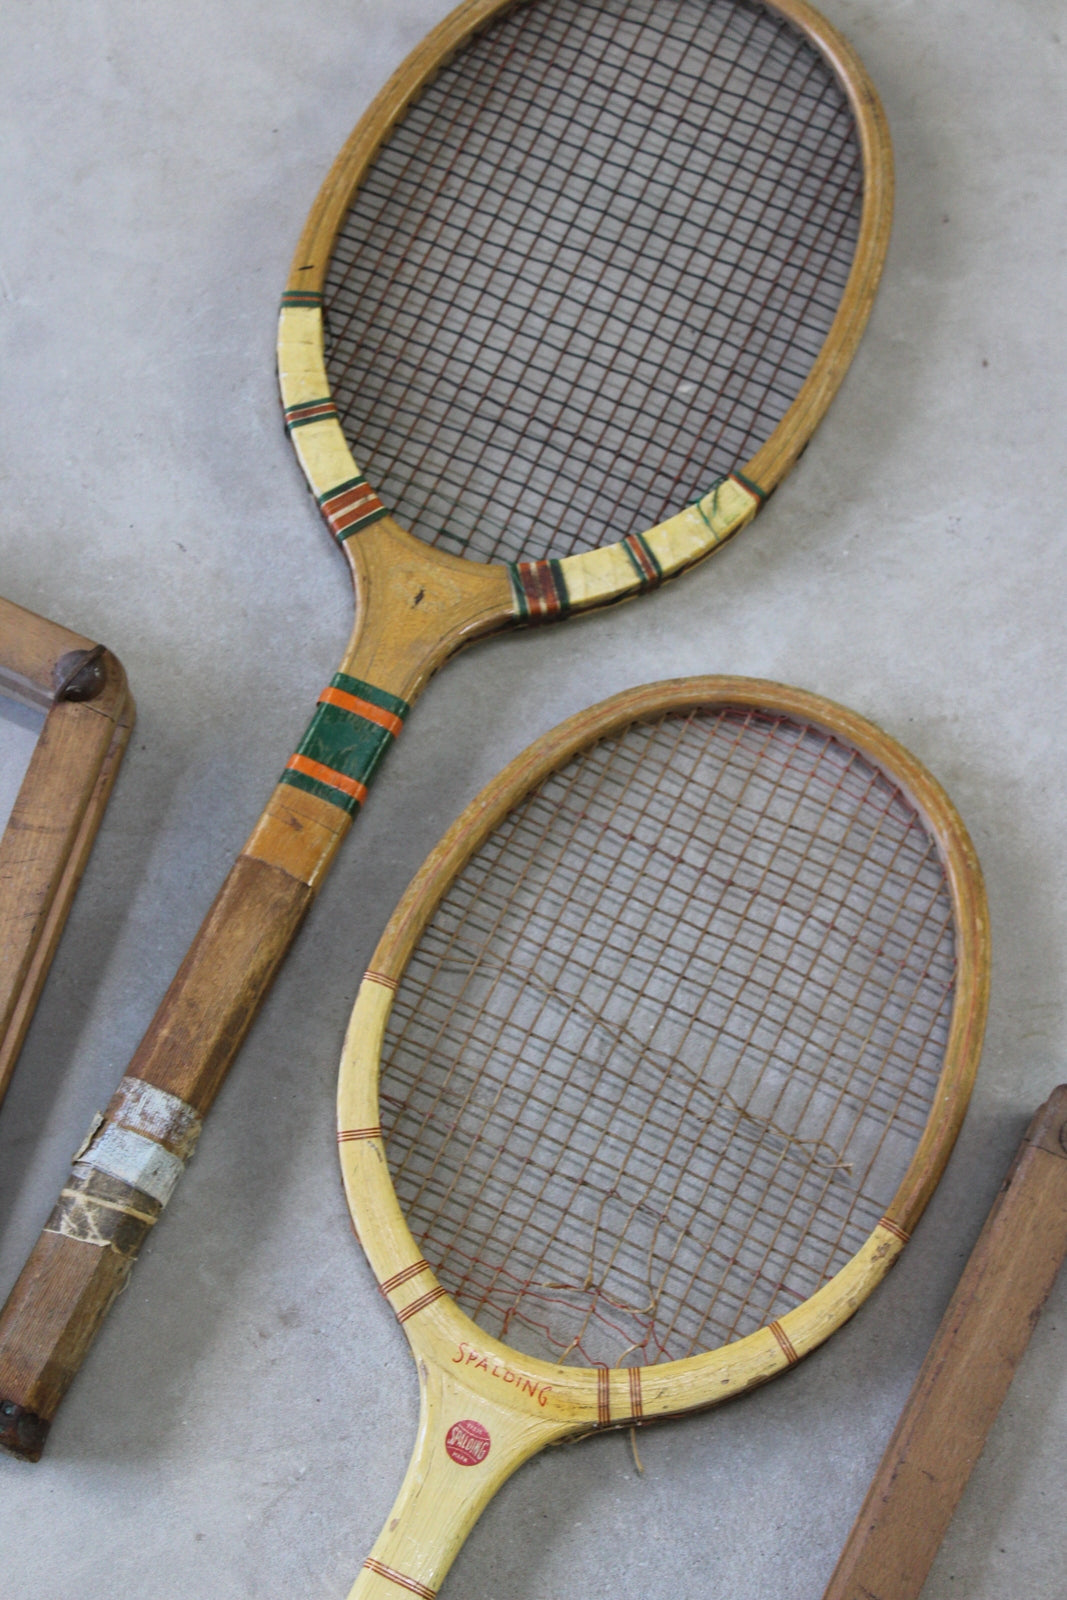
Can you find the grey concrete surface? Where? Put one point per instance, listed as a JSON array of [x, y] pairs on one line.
[[20, 728], [244, 1420]]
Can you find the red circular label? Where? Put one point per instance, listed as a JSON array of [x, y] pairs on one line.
[[467, 1443]]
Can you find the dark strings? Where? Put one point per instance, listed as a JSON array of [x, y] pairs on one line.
[[590, 269]]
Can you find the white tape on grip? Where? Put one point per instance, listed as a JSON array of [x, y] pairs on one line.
[[145, 1140], [129, 1156], [156, 1113]]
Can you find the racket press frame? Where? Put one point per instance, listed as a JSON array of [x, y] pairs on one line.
[[89, 714]]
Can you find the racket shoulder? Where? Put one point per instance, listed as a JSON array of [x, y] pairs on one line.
[[641, 561]]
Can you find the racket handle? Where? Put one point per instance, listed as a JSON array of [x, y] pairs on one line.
[[133, 1156], [466, 1448], [966, 1374]]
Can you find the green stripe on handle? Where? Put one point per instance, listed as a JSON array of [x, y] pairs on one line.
[[354, 725]]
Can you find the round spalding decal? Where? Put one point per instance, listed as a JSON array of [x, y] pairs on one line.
[[467, 1443]]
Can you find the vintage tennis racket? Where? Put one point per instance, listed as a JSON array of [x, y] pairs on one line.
[[570, 304], [656, 1065]]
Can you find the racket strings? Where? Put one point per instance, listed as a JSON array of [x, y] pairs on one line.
[[656, 1068], [829, 1164], [823, 1209], [618, 1031], [592, 285], [824, 1154], [569, 295]]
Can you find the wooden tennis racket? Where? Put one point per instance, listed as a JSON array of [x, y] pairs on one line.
[[571, 302], [654, 1069]]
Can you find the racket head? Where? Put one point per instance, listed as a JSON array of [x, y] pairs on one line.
[[608, 438], [633, 1382]]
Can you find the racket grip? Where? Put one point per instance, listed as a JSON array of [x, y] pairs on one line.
[[126, 1169], [966, 1374]]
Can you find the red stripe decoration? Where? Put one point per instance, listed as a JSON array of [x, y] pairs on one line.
[[540, 590], [348, 1135], [403, 1277], [637, 1408], [348, 508], [603, 1395], [362, 708], [647, 567], [383, 978], [328, 775], [411, 1584], [785, 1343], [299, 416], [420, 1304], [895, 1229]]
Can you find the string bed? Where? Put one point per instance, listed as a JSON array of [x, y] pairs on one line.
[[665, 1049], [589, 270]]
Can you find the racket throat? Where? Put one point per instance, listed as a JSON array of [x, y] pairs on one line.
[[416, 606], [467, 1446]]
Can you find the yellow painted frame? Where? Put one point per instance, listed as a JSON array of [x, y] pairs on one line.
[[518, 1402]]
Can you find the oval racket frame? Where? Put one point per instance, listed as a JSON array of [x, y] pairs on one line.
[[416, 605], [464, 1371], [475, 598]]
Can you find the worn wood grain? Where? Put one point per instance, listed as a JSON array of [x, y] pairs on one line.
[[966, 1374]]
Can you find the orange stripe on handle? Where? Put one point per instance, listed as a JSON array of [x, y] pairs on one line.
[[411, 1584], [327, 775], [637, 1408], [362, 708], [347, 1135]]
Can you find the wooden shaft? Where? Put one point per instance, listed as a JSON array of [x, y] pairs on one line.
[[218, 988], [81, 1261], [966, 1374], [416, 607]]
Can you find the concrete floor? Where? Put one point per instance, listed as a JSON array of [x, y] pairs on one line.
[[244, 1420]]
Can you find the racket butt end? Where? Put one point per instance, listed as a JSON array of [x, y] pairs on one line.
[[46, 1329], [22, 1432]]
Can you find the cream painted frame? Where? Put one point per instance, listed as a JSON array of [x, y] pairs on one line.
[[519, 1403]]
